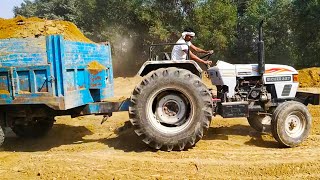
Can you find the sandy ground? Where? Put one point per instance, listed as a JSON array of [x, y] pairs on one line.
[[81, 148]]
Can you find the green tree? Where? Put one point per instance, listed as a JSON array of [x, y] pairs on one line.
[[277, 31], [215, 22], [165, 18], [306, 32], [51, 9]]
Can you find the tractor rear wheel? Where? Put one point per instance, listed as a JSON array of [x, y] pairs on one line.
[[291, 123], [170, 109], [39, 126]]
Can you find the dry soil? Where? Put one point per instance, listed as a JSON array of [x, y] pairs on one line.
[[21, 27], [81, 148]]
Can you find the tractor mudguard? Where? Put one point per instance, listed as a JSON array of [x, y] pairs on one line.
[[190, 65]]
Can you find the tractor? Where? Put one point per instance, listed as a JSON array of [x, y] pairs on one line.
[[171, 109]]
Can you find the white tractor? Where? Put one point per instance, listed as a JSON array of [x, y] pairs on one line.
[[171, 108]]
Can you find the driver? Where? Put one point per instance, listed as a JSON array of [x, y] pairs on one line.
[[179, 52]]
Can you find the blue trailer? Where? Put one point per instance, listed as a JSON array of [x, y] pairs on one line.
[[48, 76]]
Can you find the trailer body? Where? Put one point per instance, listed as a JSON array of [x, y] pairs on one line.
[[52, 71]]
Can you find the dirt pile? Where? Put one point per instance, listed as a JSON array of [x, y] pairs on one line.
[[95, 65], [309, 77], [21, 27]]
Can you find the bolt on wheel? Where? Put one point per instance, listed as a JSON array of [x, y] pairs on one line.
[[295, 124]]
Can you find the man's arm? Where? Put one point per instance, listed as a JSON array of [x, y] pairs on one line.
[[196, 58], [199, 50]]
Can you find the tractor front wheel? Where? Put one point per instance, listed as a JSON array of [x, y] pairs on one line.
[[291, 123]]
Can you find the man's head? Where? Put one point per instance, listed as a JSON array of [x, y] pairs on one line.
[[188, 34]]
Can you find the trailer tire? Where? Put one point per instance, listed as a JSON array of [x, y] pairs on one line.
[[2, 135], [291, 123], [171, 109], [261, 123], [37, 128]]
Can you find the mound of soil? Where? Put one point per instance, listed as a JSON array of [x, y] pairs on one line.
[[309, 77], [21, 27]]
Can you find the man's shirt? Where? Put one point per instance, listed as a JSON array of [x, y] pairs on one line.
[[178, 51]]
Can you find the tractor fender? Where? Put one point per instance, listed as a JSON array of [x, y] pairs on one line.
[[190, 65]]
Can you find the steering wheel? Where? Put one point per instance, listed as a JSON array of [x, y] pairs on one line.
[[206, 57]]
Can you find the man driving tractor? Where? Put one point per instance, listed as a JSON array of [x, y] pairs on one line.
[[180, 51]]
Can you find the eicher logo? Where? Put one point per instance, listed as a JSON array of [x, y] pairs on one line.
[[278, 78]]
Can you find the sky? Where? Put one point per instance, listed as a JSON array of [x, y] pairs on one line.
[[6, 7]]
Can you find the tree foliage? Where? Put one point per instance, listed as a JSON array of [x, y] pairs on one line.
[[306, 27], [229, 27], [215, 21], [277, 31]]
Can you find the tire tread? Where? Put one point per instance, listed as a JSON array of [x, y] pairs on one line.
[[187, 76]]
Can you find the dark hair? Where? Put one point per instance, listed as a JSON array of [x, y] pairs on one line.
[[188, 29]]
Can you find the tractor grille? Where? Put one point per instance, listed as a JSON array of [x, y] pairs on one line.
[[286, 90]]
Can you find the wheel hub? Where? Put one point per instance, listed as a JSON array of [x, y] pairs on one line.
[[171, 109], [294, 125]]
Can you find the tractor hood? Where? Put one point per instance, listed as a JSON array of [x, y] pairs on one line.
[[244, 70]]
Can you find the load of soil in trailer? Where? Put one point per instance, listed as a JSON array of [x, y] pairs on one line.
[[21, 27], [309, 77]]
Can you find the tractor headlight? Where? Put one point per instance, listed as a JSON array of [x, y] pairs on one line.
[[295, 78]]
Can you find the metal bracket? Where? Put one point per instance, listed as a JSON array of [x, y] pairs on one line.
[[13, 83], [105, 118]]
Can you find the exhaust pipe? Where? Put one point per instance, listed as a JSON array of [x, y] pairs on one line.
[[261, 62]]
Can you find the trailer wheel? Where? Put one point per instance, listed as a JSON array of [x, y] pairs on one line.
[[170, 109], [2, 135], [261, 123], [291, 123], [38, 127]]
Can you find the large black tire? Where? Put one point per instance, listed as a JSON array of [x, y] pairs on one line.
[[171, 109], [291, 123], [261, 123], [2, 135], [36, 128]]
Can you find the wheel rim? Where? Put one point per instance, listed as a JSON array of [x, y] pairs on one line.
[[295, 124], [170, 110]]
